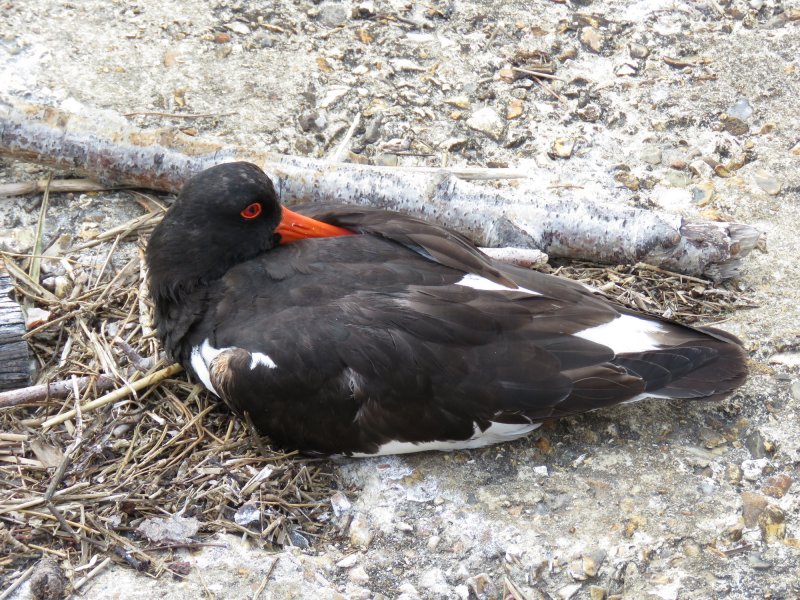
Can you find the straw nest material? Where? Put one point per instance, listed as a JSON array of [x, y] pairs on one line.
[[142, 461]]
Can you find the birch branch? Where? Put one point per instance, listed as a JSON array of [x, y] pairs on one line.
[[105, 147]]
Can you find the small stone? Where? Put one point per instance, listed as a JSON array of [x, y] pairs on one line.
[[677, 179], [514, 109], [757, 561], [247, 513], [678, 164], [592, 39], [772, 524], [753, 469], [590, 113], [628, 179], [755, 444], [740, 109], [651, 155], [733, 473], [364, 10], [458, 101], [487, 121], [597, 593], [358, 575], [592, 561], [433, 541], [626, 69], [332, 14], [788, 359], [360, 532], [404, 64], [451, 144], [734, 126], [340, 504], [562, 148], [332, 96], [434, 581], [238, 27], [222, 38], [752, 506], [568, 591], [795, 389], [767, 182], [638, 51], [35, 317], [482, 587], [702, 169], [777, 486], [632, 524], [348, 561], [703, 193]]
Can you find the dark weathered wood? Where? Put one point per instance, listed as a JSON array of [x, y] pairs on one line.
[[15, 360]]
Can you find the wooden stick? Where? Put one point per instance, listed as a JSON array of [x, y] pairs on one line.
[[163, 159], [118, 394], [23, 188], [56, 390]]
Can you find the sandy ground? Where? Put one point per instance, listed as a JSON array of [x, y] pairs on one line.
[[655, 500]]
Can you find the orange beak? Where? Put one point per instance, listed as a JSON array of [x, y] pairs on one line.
[[294, 226]]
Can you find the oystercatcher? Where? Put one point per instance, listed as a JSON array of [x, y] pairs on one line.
[[355, 331]]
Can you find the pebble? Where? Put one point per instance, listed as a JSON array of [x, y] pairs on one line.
[[514, 109], [703, 193], [590, 113], [238, 27], [332, 14], [676, 179], [358, 575], [596, 592], [453, 143], [487, 121], [458, 101], [638, 51], [740, 109], [434, 581], [755, 444], [734, 126], [651, 155], [360, 532], [348, 561], [568, 591], [247, 513], [795, 389], [757, 561], [404, 64], [592, 39], [767, 182], [772, 523], [332, 96], [35, 317], [340, 504], [702, 169], [733, 473], [562, 148], [752, 506], [753, 469], [777, 486], [789, 359], [628, 179], [433, 541], [482, 587]]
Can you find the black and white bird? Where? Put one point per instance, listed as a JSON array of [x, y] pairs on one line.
[[349, 330]]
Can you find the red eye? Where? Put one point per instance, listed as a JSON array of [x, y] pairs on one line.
[[252, 211]]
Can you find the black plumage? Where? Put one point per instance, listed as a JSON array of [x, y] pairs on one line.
[[380, 341]]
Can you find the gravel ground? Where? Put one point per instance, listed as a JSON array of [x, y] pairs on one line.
[[689, 107]]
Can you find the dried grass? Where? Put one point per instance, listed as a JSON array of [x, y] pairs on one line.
[[79, 487]]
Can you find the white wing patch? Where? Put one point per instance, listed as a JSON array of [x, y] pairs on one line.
[[203, 355], [626, 334], [496, 433], [257, 358], [476, 282]]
